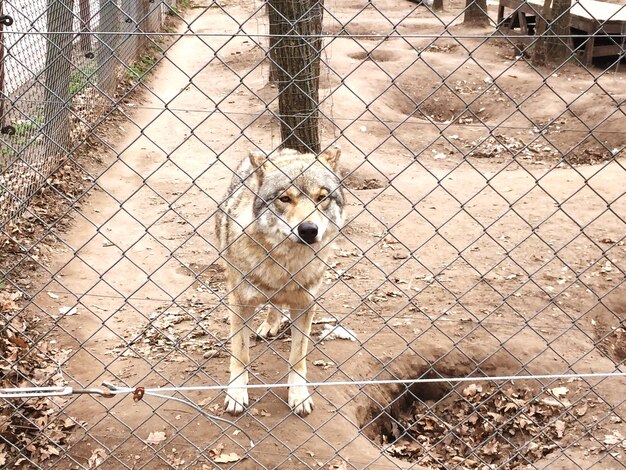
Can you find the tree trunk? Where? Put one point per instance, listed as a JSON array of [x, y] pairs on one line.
[[271, 51], [106, 48], [476, 13], [553, 22], [539, 51], [85, 20], [297, 25], [558, 45], [57, 73]]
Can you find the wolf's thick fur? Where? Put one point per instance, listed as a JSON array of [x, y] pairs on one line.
[[275, 228]]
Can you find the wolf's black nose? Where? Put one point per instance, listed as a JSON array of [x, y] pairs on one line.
[[307, 231]]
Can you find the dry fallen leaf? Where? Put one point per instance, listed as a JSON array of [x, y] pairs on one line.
[[581, 410], [19, 342], [97, 457], [155, 438], [341, 465], [471, 390], [559, 391], [556, 403], [68, 311], [560, 428], [227, 458], [491, 448], [52, 295], [612, 439], [217, 450], [7, 304]]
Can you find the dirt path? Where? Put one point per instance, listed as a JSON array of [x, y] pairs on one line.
[[500, 276]]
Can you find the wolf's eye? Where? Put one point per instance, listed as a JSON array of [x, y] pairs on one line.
[[284, 199], [320, 198]]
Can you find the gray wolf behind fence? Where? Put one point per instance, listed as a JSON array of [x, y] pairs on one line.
[[275, 229]]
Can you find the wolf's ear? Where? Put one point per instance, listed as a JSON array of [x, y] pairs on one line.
[[331, 156], [258, 160]]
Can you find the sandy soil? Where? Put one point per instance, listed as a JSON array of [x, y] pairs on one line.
[[451, 263]]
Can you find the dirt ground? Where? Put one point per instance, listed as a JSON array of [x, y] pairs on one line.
[[466, 252]]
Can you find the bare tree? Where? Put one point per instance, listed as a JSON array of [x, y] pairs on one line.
[[476, 13], [297, 26]]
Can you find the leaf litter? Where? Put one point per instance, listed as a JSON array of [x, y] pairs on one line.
[[483, 426], [172, 333], [31, 429]]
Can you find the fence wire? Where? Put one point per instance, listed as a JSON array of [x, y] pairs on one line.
[[469, 309]]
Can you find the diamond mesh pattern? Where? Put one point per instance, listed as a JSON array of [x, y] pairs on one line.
[[484, 237]]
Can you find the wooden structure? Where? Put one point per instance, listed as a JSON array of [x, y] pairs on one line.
[[603, 23]]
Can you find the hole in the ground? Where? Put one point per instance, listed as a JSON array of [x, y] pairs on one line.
[[609, 322], [479, 424], [360, 183], [363, 179], [441, 105], [375, 55]]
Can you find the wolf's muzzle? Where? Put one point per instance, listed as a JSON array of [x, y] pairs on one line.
[[307, 231]]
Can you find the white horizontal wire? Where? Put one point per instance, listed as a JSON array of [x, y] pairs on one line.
[[156, 391], [341, 383]]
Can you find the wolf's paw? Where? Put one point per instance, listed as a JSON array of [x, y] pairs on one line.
[[300, 400], [236, 400], [267, 330]]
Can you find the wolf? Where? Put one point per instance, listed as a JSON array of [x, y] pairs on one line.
[[275, 229]]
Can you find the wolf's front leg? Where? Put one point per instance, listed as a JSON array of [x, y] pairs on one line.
[[299, 397], [236, 397], [270, 326]]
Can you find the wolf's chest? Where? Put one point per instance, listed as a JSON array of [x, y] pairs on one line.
[[290, 269]]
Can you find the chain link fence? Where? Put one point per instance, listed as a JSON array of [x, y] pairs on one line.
[[62, 64], [470, 312]]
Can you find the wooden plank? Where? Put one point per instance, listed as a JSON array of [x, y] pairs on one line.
[[599, 11], [588, 10], [591, 16], [588, 55], [522, 21]]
